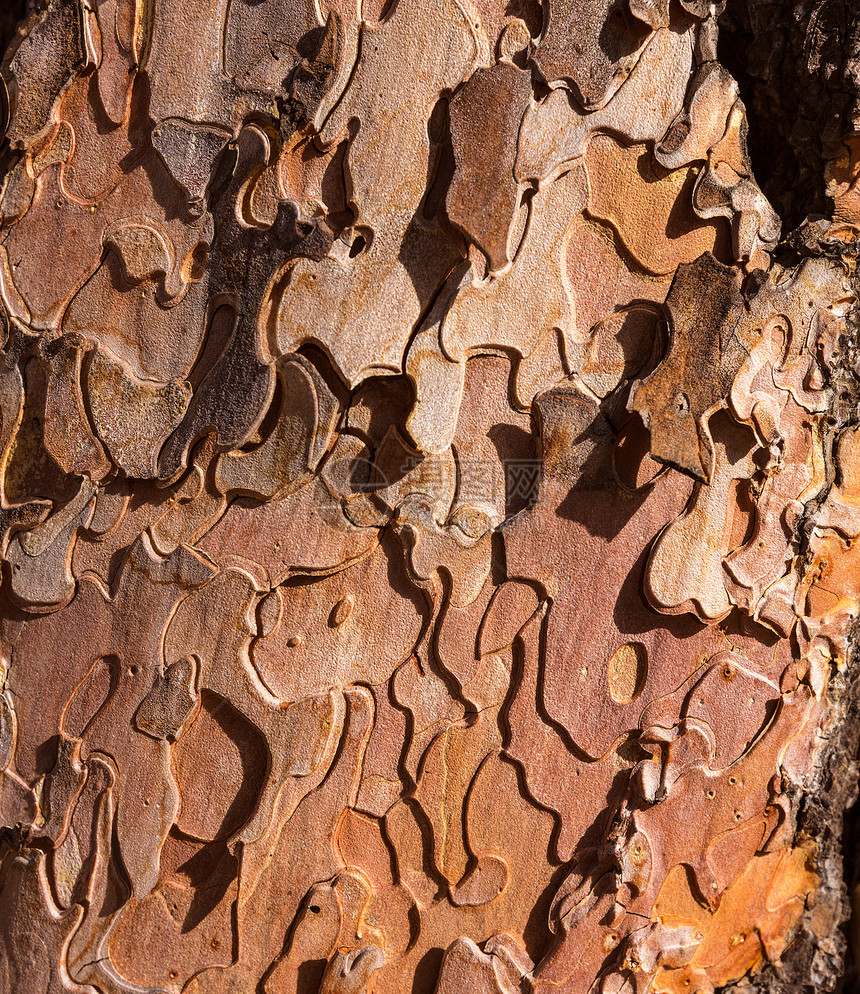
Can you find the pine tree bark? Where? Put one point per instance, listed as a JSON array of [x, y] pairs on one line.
[[429, 496]]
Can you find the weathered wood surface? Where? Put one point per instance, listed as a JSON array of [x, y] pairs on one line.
[[429, 504]]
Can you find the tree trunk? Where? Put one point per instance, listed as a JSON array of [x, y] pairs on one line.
[[430, 496]]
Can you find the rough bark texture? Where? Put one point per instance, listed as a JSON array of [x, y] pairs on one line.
[[429, 496]]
